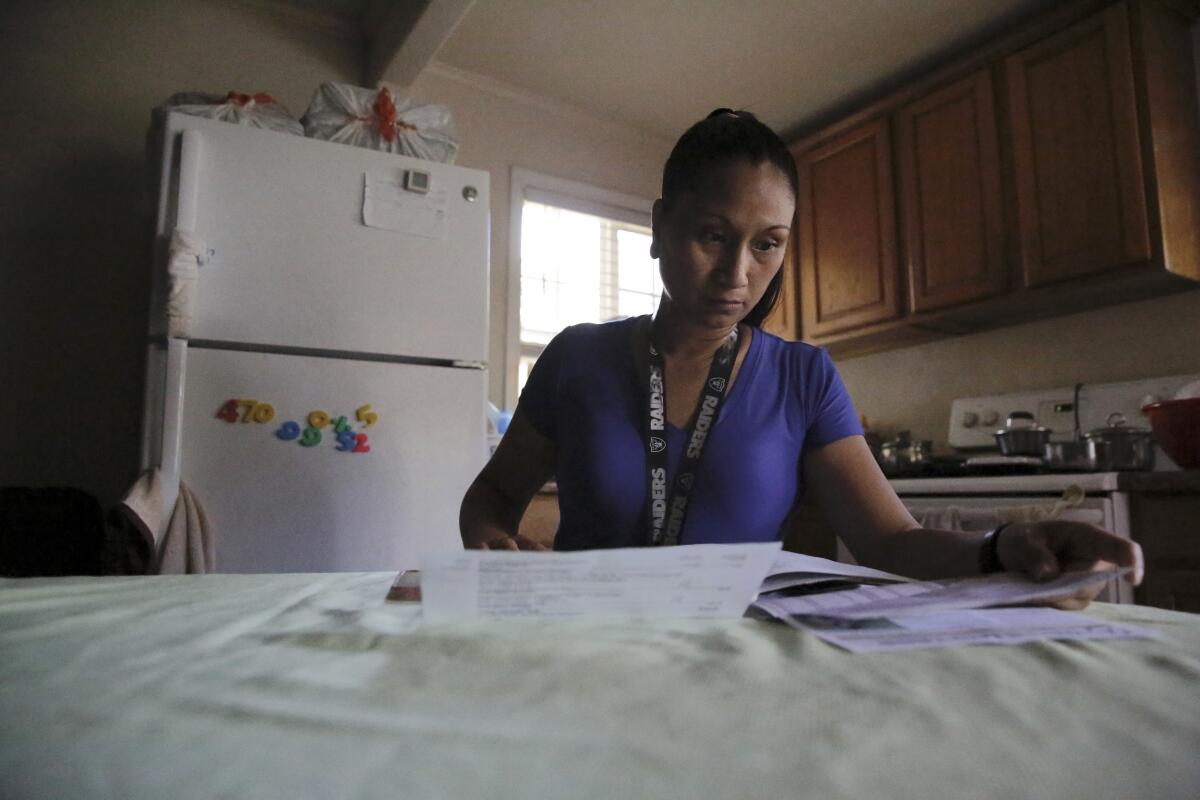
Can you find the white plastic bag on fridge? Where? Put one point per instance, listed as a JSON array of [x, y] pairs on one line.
[[379, 120], [258, 110]]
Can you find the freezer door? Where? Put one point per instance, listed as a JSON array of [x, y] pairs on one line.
[[293, 262], [285, 493]]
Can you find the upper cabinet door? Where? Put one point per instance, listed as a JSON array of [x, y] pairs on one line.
[[847, 247], [1081, 203], [951, 202]]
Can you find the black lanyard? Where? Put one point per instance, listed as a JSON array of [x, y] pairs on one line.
[[666, 515]]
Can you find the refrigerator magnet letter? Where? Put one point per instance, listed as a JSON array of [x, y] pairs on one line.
[[288, 431]]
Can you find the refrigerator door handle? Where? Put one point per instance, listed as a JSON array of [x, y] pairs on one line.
[[172, 430], [190, 154]]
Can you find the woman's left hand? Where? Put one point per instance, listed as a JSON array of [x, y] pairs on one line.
[[514, 542], [1044, 550]]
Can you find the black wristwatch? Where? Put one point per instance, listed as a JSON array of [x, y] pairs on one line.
[[989, 557]]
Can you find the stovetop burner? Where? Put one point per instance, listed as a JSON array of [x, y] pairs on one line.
[[984, 465], [959, 466]]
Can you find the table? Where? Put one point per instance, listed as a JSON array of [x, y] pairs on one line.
[[298, 686]]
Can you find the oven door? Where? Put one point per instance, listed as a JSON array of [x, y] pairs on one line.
[[981, 514]]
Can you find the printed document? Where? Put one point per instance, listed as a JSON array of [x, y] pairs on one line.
[[953, 628], [795, 569], [703, 580]]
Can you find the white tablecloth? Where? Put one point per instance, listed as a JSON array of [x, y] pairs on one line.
[[299, 686]]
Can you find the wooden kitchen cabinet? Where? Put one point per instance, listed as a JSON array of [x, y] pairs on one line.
[[847, 227], [1178, 590], [1053, 170], [1166, 524], [951, 199], [1081, 206]]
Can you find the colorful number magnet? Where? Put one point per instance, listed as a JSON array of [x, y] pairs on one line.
[[288, 431], [365, 415], [228, 411]]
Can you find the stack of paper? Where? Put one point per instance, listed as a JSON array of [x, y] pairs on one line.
[[706, 580], [794, 573], [853, 607]]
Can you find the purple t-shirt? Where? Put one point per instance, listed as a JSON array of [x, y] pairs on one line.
[[585, 393]]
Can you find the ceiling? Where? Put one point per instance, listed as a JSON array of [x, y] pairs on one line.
[[658, 65]]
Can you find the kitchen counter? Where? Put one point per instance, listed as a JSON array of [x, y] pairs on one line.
[[1164, 481], [1174, 481]]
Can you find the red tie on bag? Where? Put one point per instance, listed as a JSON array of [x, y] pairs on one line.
[[385, 114], [243, 99]]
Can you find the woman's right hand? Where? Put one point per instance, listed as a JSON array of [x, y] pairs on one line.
[[490, 517]]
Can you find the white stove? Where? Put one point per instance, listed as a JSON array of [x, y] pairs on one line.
[[979, 503], [1066, 410]]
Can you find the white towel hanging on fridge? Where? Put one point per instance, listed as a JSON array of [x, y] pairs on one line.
[[186, 544]]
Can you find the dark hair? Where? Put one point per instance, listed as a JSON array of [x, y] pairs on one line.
[[723, 136]]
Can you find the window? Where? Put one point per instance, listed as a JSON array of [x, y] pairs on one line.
[[579, 268], [582, 255]]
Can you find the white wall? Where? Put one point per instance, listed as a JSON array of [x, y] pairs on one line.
[[501, 128], [912, 389]]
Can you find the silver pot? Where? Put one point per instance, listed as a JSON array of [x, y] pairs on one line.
[[1070, 455], [921, 453], [894, 455], [902, 455], [1021, 436], [1118, 446]]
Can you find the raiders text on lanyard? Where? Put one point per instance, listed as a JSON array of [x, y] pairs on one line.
[[664, 530]]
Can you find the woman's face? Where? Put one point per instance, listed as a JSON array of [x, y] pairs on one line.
[[720, 245]]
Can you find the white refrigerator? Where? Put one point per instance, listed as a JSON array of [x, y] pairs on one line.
[[327, 403]]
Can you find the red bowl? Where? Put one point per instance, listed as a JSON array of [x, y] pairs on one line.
[[1176, 426]]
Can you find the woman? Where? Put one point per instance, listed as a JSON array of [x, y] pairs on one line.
[[697, 426]]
